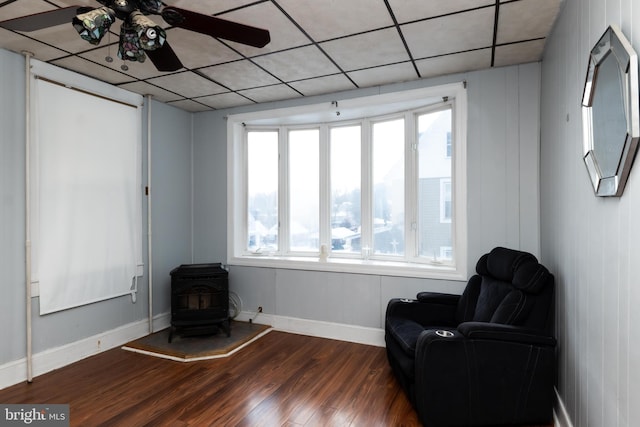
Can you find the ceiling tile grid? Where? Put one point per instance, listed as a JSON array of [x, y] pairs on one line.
[[316, 46]]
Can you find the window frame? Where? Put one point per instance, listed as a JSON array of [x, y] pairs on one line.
[[324, 116]]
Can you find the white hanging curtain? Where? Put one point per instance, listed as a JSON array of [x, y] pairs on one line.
[[86, 193]]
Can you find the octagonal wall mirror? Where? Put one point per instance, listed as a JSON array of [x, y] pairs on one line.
[[610, 116]]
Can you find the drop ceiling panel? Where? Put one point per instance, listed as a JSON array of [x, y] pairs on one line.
[[156, 92], [17, 43], [414, 10], [239, 75], [270, 93], [328, 19], [450, 33], [91, 69], [284, 33], [297, 64], [210, 7], [317, 46], [384, 75], [356, 52], [224, 100], [189, 105], [320, 85], [188, 84], [455, 63], [540, 15], [519, 53], [24, 7]]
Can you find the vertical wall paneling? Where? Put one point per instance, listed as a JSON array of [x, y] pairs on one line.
[[171, 191], [529, 160], [593, 244], [12, 207]]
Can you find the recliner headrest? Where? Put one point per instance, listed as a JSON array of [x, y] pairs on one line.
[[521, 269]]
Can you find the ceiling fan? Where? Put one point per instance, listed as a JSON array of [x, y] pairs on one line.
[[139, 35]]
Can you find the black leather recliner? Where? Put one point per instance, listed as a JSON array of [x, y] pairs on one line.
[[486, 357]]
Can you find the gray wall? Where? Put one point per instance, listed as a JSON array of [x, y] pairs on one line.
[[591, 244], [171, 197], [171, 226], [503, 200]]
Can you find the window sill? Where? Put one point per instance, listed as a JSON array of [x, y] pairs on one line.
[[353, 266]]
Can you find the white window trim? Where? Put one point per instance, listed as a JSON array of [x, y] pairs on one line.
[[376, 105]]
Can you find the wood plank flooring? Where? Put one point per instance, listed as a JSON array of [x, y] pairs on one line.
[[280, 380]]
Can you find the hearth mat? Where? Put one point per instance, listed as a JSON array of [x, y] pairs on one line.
[[198, 347]]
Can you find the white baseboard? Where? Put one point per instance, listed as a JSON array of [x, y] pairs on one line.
[[560, 415], [46, 361], [317, 328], [161, 321]]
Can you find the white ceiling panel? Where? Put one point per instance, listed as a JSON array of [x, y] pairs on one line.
[[328, 19], [519, 53], [18, 43], [91, 69], [316, 47], [297, 64], [284, 33], [384, 75], [188, 84], [156, 92], [321, 85], [540, 17], [450, 33], [356, 52], [224, 100], [413, 10], [270, 93], [455, 63], [240, 75], [189, 105]]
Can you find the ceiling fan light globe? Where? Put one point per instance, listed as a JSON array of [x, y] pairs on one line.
[[150, 35], [129, 47], [93, 25]]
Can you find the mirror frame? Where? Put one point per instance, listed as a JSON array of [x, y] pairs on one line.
[[614, 43]]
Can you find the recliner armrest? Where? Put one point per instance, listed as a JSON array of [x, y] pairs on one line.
[[500, 332], [438, 298], [434, 312]]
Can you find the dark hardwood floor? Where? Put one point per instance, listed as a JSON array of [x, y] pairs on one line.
[[280, 380]]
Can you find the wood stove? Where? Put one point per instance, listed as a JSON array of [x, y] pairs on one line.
[[199, 299]]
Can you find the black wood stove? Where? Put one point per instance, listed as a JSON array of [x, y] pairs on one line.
[[199, 299]]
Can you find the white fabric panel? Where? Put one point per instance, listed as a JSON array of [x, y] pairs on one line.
[[87, 177]]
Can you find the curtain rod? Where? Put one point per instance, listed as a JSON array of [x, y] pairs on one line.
[[85, 91]]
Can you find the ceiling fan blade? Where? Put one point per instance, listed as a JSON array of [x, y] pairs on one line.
[[164, 58], [41, 20], [216, 27]]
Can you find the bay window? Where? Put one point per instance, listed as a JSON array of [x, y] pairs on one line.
[[363, 189]]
